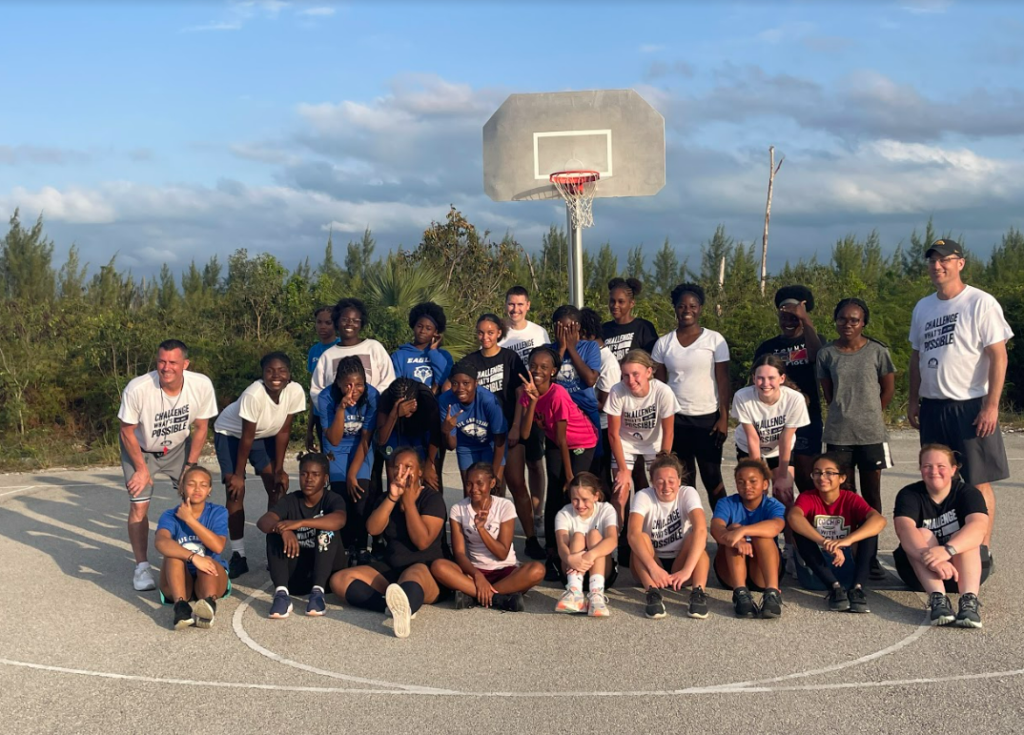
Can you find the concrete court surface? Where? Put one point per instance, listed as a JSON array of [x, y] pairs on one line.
[[81, 651]]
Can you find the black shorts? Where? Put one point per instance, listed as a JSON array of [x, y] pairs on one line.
[[390, 573], [864, 457], [949, 422], [535, 444], [666, 564], [808, 439], [906, 570], [772, 462]]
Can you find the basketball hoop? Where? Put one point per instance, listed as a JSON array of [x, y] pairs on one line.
[[578, 188]]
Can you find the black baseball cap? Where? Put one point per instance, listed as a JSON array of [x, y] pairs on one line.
[[945, 248]]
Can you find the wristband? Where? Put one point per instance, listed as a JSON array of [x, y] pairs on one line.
[[393, 500], [191, 557]]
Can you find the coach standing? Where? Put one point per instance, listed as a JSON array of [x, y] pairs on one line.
[[157, 413], [957, 370]]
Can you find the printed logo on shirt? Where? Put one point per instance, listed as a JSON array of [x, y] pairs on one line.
[[192, 544], [832, 528], [493, 378], [619, 344], [770, 430], [523, 349], [667, 530], [933, 363], [168, 423], [475, 429], [944, 526], [307, 536], [568, 378], [353, 424], [939, 332], [644, 418], [793, 355], [424, 374]]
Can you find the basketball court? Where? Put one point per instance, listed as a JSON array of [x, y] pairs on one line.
[[81, 651]]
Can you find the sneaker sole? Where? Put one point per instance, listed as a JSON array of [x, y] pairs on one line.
[[844, 608], [696, 615], [859, 610], [398, 604], [315, 613], [186, 623], [203, 614], [592, 614], [656, 616], [942, 621], [279, 616], [964, 623], [768, 615]]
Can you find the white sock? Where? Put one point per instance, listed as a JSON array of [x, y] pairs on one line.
[[238, 546], [142, 565], [597, 583], [318, 587], [575, 582], [280, 589]]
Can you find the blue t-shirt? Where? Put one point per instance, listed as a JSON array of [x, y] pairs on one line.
[[430, 367], [581, 393], [731, 510], [480, 421], [214, 517], [359, 418]]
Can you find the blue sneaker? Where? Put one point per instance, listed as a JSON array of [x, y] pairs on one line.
[[282, 605], [316, 605]]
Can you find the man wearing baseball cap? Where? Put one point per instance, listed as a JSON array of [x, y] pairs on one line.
[[957, 370]]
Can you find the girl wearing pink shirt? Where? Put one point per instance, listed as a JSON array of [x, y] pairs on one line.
[[571, 438]]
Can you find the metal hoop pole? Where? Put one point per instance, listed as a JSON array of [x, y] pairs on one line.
[[575, 260]]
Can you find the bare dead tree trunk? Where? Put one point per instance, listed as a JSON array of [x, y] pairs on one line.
[[772, 170], [533, 273], [721, 285]]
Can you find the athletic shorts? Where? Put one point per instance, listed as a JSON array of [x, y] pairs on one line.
[[808, 439], [631, 460], [906, 570], [226, 595], [535, 444], [261, 453], [666, 564], [494, 576], [749, 582], [949, 422], [469, 458], [171, 465], [865, 457], [772, 462]]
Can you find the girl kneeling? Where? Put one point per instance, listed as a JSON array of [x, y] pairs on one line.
[[485, 568], [587, 532]]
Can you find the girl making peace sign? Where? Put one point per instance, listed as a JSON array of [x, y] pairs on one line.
[[473, 422]]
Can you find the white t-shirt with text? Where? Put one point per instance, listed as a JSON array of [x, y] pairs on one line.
[[522, 341], [604, 515], [789, 412], [666, 523], [162, 422], [255, 405], [951, 335], [640, 429], [480, 556], [691, 370]]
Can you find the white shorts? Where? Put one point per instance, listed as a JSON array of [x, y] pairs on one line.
[[631, 460]]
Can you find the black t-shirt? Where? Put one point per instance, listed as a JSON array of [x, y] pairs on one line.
[[399, 550], [292, 507], [943, 519], [421, 429], [800, 370], [500, 375], [621, 338]]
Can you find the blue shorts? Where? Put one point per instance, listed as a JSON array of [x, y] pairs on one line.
[[340, 464], [469, 457], [261, 453]]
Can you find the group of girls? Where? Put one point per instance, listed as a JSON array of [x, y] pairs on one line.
[[606, 406]]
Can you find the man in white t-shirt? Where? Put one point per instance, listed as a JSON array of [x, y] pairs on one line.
[[157, 413], [523, 335], [957, 371]]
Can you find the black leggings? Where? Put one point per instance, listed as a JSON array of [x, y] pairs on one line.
[[556, 498], [698, 449], [353, 535], [809, 551], [312, 567]]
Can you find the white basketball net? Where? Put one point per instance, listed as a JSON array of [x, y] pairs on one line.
[[578, 188]]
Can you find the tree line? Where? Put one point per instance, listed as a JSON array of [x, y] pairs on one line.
[[70, 340]]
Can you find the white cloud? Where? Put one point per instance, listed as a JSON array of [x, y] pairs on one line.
[[225, 25], [650, 48], [75, 204], [240, 12], [785, 32], [319, 11], [921, 7]]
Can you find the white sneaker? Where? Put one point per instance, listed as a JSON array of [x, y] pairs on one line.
[[398, 604], [143, 579], [572, 601], [598, 605]]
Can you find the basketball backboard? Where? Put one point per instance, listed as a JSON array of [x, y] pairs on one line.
[[615, 132]]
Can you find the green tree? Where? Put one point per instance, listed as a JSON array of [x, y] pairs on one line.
[[26, 273]]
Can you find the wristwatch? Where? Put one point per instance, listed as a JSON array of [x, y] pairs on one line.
[[950, 549]]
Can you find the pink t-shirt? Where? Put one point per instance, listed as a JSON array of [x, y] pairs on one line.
[[556, 405]]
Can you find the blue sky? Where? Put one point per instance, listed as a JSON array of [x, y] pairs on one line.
[[167, 132]]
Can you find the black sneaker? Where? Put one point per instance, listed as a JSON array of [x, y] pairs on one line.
[[838, 600], [941, 609], [183, 615], [353, 556], [364, 557], [655, 607], [875, 570], [205, 612], [968, 616], [509, 603], [743, 603], [237, 566], [552, 570], [534, 550], [463, 601], [858, 601], [698, 607], [771, 603]]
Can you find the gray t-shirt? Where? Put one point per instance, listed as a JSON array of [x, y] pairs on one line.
[[855, 414]]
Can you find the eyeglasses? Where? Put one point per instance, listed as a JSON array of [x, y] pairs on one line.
[[947, 259], [817, 474]]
